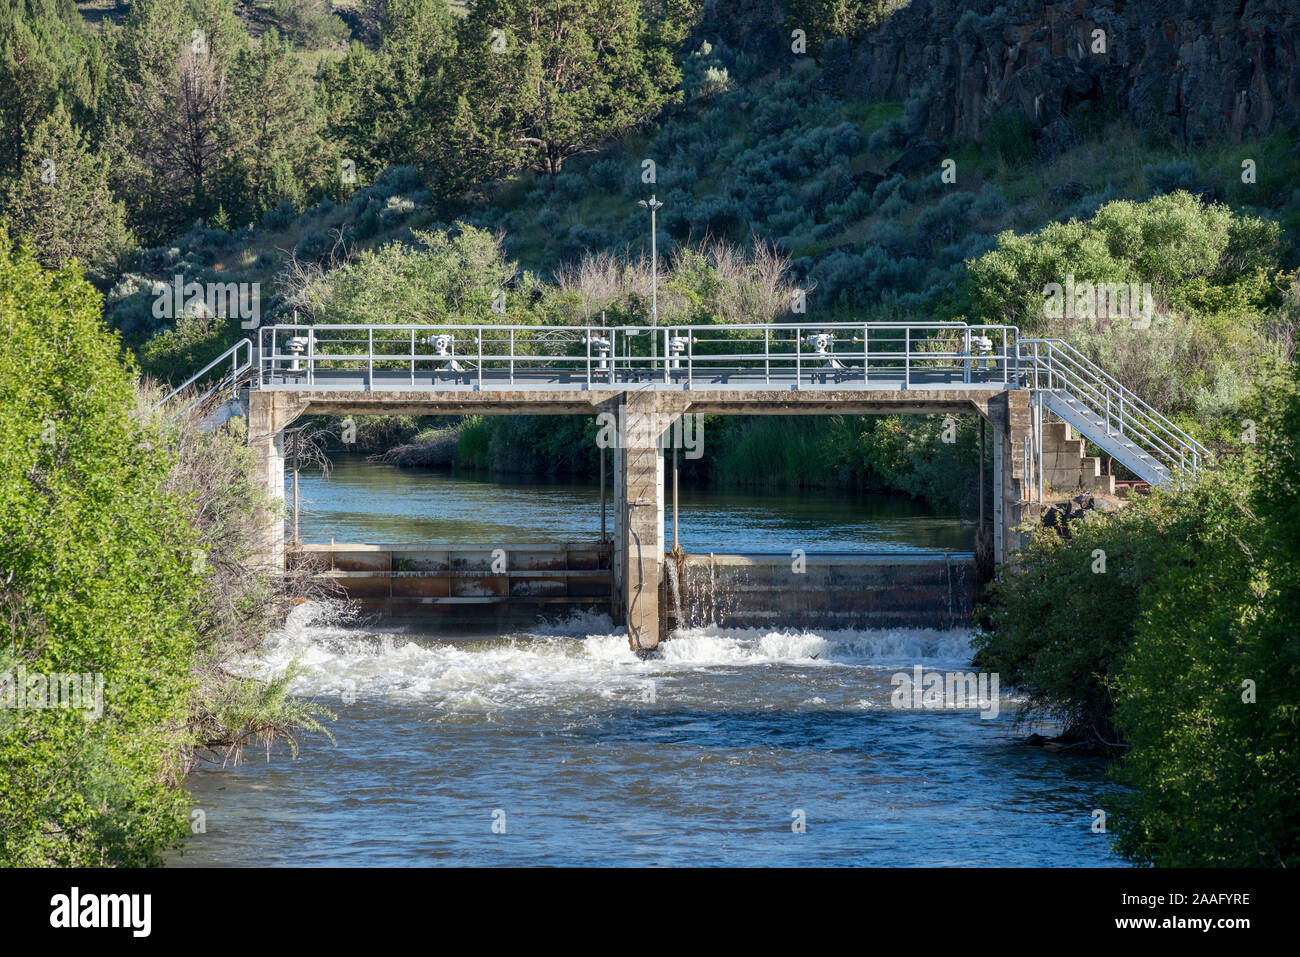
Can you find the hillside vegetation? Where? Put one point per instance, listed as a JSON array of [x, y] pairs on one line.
[[408, 174]]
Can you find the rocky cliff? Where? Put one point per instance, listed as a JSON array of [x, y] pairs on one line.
[[1189, 70]]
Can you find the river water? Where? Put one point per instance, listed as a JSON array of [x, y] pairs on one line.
[[560, 747], [367, 502]]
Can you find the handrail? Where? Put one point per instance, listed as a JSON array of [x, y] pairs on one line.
[[921, 353], [1102, 392], [1092, 367], [1122, 412], [507, 326], [236, 369], [1172, 431], [1121, 420]]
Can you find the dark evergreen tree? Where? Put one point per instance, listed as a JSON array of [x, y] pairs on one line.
[[170, 87], [378, 102], [538, 83], [59, 203], [270, 131], [46, 56]]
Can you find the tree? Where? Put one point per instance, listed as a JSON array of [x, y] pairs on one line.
[[97, 577], [420, 61], [1208, 698], [378, 102], [1195, 254], [128, 562], [46, 56], [1168, 633], [541, 82], [168, 100], [822, 20], [308, 23], [271, 130], [445, 276], [1211, 274], [60, 203], [358, 124]]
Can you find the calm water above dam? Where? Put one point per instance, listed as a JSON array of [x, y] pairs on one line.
[[366, 502], [587, 755]]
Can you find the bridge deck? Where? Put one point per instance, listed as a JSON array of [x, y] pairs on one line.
[[550, 380], [573, 401]]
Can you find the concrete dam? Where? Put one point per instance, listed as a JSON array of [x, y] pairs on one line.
[[490, 588], [643, 381]]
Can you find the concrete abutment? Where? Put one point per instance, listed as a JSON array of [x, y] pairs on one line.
[[269, 414]]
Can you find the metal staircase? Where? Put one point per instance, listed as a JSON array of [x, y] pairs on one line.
[[1101, 409]]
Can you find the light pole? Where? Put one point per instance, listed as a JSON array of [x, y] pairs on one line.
[[654, 206]]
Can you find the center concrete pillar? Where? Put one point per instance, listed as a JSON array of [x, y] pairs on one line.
[[1010, 416], [268, 415], [639, 500]]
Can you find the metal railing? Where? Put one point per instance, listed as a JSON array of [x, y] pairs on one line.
[[772, 355], [794, 355], [1053, 365], [238, 368]]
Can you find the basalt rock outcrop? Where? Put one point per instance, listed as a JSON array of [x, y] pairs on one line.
[[1191, 71]]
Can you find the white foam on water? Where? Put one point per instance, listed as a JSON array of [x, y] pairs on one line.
[[579, 657], [883, 647], [578, 624], [335, 658]]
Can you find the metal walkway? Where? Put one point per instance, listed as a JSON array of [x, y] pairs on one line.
[[774, 356]]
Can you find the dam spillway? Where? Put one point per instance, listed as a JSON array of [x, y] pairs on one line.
[[458, 587], [820, 592]]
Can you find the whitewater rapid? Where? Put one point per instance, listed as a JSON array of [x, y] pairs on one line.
[[584, 657], [698, 755]]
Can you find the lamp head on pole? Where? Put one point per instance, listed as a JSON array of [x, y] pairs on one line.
[[651, 204]]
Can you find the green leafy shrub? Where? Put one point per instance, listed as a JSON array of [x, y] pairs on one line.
[[1061, 618], [395, 209], [891, 135], [448, 276], [1207, 699], [98, 578], [177, 353], [946, 219], [990, 203], [279, 217], [313, 245], [606, 175], [1166, 634], [1212, 274], [309, 23], [376, 433], [1171, 177]]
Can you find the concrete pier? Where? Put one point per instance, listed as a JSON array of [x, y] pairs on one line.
[[269, 413], [1009, 415], [639, 509], [643, 416]]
